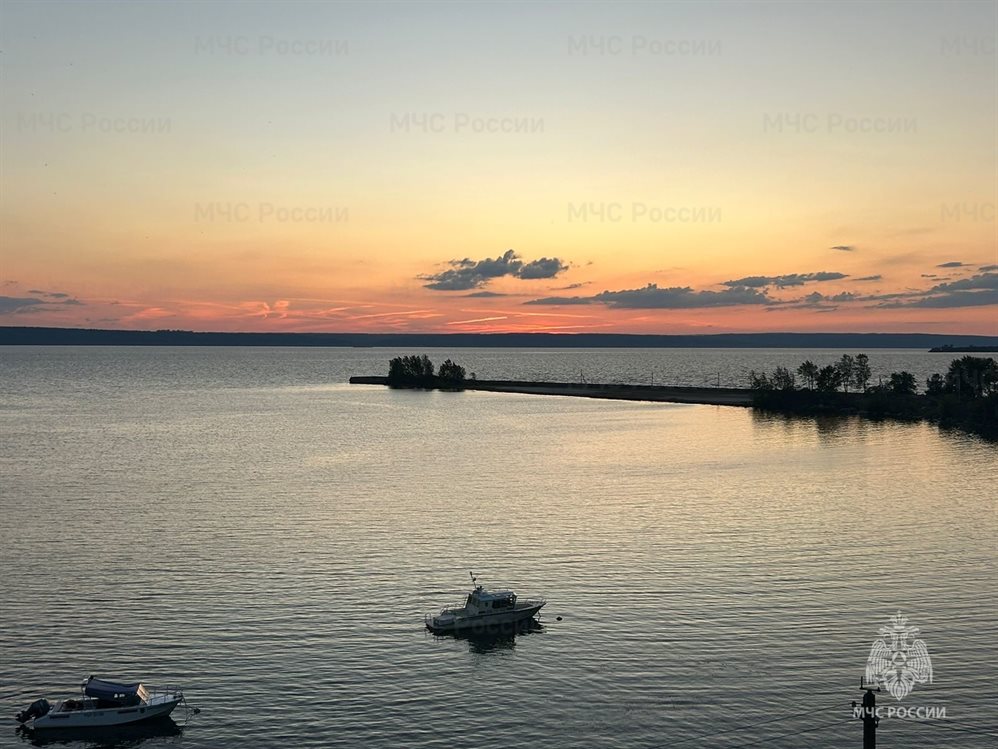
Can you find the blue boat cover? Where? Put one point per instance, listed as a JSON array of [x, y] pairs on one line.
[[109, 690]]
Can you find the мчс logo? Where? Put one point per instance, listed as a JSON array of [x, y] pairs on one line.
[[896, 664]]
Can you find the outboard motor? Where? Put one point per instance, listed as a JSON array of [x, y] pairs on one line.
[[36, 709]]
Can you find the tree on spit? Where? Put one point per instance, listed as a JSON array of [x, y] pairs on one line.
[[411, 371], [451, 375]]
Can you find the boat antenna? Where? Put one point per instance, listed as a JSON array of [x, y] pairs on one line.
[[474, 580]]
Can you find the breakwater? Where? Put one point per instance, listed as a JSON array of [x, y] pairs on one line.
[[616, 391]]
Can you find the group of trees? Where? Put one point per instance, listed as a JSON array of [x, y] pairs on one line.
[[848, 372], [418, 371], [968, 377]]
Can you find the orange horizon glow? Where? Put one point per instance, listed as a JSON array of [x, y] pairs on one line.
[[485, 315]]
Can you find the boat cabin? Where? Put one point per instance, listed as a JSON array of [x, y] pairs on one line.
[[480, 600], [111, 694]]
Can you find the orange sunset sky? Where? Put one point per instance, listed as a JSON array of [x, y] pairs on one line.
[[656, 168]]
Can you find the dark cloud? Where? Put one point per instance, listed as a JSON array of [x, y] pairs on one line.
[[486, 294], [561, 300], [869, 278], [9, 304], [50, 294], [980, 281], [843, 247], [681, 297], [951, 264], [988, 267], [790, 279], [573, 286], [887, 297], [976, 291], [815, 300], [546, 267], [20, 305], [467, 274], [951, 299], [845, 296], [674, 297]]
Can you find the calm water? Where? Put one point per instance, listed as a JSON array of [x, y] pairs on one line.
[[241, 522]]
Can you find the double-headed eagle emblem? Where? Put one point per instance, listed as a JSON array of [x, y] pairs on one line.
[[894, 663]]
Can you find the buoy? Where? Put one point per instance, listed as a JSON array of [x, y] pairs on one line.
[[558, 618]]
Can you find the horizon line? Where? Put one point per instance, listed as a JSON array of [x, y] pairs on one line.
[[565, 335]]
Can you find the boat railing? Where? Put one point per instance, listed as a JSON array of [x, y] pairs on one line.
[[448, 609], [526, 603], [166, 690]]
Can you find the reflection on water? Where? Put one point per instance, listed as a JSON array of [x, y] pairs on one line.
[[110, 737], [483, 640], [827, 427]]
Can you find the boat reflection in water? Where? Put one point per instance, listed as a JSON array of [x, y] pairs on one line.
[[107, 737], [495, 638]]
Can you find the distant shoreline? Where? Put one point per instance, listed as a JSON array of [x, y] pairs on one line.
[[39, 336], [964, 350]]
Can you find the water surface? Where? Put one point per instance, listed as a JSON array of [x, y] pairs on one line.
[[243, 523]]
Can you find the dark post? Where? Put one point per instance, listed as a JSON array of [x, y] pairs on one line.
[[869, 716]]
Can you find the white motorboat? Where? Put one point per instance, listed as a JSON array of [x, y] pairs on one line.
[[103, 703], [484, 609]]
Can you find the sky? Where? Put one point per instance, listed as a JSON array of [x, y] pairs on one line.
[[476, 167]]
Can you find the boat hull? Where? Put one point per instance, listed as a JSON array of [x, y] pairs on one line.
[[439, 624], [103, 717]]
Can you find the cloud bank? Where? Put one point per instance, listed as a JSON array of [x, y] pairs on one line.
[[789, 279], [654, 297]]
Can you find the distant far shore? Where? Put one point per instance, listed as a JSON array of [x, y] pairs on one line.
[[31, 336], [947, 349]]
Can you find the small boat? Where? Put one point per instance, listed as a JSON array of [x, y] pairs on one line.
[[484, 609], [103, 703]]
